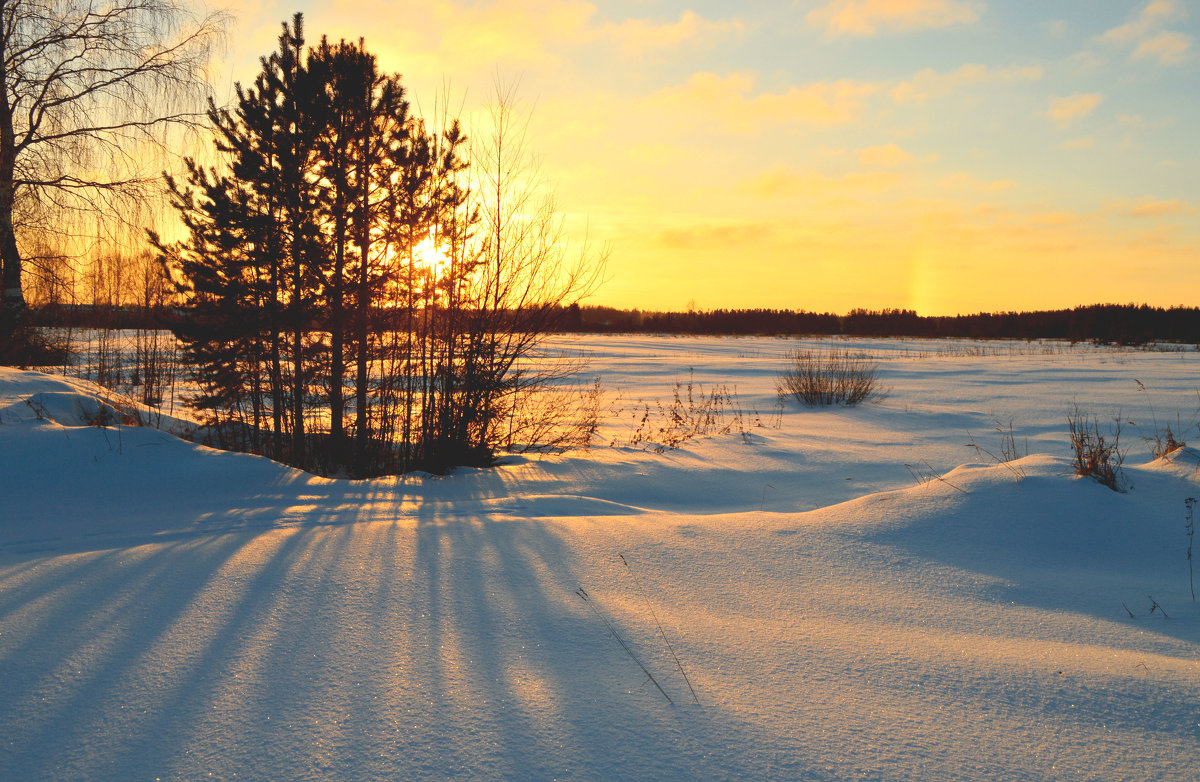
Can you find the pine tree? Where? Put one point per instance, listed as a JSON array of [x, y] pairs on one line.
[[247, 267], [307, 291]]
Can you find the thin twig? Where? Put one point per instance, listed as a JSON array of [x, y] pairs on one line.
[[943, 480], [1190, 528], [583, 595], [762, 505], [638, 582]]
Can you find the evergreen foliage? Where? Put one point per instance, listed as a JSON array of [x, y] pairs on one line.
[[321, 331]]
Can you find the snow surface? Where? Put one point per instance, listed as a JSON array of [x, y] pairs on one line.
[[168, 611]]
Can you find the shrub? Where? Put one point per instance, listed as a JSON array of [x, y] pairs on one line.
[[1164, 440], [1010, 450], [1096, 456], [692, 412], [832, 377]]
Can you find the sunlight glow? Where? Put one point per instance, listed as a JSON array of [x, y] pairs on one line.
[[430, 257], [642, 120]]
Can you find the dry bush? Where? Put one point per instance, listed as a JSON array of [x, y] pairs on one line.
[[832, 377], [1096, 456], [1163, 439], [1010, 450], [692, 412], [553, 419]]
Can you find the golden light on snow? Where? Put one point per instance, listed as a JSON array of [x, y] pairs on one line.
[[852, 620]]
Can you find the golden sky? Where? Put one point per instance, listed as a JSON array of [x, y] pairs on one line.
[[941, 155]]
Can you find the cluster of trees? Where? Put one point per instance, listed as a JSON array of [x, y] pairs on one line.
[[1121, 324], [1126, 324], [364, 291], [601, 319]]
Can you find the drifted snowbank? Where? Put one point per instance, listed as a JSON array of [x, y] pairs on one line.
[[171, 611]]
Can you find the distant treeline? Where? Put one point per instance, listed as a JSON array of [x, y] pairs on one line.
[[1125, 324], [1122, 324]]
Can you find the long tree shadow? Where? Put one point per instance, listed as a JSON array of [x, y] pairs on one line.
[[511, 647], [371, 644]]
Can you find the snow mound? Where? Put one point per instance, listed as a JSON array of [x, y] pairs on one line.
[[71, 402]]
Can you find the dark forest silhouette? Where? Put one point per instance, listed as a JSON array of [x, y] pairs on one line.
[[1118, 324], [1124, 324]]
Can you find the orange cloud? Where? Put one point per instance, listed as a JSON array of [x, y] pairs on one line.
[[1151, 208], [1085, 142], [441, 35], [1168, 48], [640, 35], [785, 182], [466, 37], [732, 104], [1151, 17], [885, 156], [964, 180], [865, 18], [1162, 208], [716, 234], [929, 83], [1153, 42], [1066, 110]]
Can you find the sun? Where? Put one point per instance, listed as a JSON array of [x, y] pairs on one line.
[[429, 256]]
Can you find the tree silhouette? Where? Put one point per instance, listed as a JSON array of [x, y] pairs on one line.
[[317, 331], [85, 90]]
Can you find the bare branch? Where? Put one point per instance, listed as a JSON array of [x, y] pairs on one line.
[[93, 98]]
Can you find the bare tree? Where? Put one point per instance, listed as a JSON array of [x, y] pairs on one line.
[[89, 91], [525, 276]]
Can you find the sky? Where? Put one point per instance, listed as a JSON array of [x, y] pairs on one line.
[[947, 156]]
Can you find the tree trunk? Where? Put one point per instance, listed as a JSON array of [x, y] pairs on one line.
[[12, 308], [337, 324], [365, 303]]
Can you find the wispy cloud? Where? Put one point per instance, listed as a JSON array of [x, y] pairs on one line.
[[929, 83], [732, 104], [967, 182], [1152, 208], [642, 35], [1085, 142], [866, 18], [1169, 48], [726, 234], [1150, 18], [529, 34], [1066, 110], [1056, 28], [1147, 35], [884, 156], [520, 33], [786, 182]]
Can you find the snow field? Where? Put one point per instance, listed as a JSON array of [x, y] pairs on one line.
[[169, 611]]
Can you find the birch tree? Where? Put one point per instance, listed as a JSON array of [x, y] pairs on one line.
[[86, 89]]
